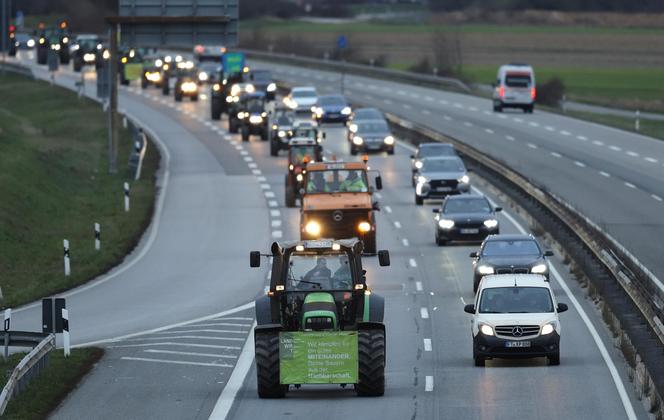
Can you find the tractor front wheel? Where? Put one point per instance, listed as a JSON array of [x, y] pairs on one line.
[[267, 366], [371, 361]]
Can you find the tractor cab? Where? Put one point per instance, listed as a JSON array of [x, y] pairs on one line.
[[306, 129]]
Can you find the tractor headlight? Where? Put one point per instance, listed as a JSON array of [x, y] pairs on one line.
[[216, 87], [189, 87], [418, 164], [299, 177], [353, 128], [240, 115], [486, 329], [464, 179], [346, 111], [357, 140], [485, 269], [89, 57], [491, 223], [313, 228], [255, 119], [203, 76], [31, 43], [389, 140], [271, 87], [446, 224], [281, 133], [539, 269], [364, 227]]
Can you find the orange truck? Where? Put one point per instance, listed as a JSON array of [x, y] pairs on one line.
[[337, 202]]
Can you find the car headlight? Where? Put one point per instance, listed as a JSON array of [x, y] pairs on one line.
[[229, 99], [271, 87], [422, 180], [158, 62], [250, 89], [548, 328], [281, 133], [65, 40], [216, 87], [464, 179], [446, 224], [389, 140], [189, 87], [56, 47], [358, 140], [240, 115], [299, 177], [255, 119], [486, 329], [31, 43], [42, 40], [106, 55], [485, 269], [364, 227], [539, 269], [292, 104], [312, 228], [353, 128], [491, 223], [418, 164], [203, 76], [346, 111]]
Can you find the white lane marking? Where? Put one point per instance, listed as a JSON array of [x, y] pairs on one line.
[[502, 116], [443, 102], [388, 209], [633, 154], [447, 118], [565, 133], [463, 301], [407, 106], [427, 344], [424, 313], [627, 404], [190, 353], [276, 234], [582, 138], [651, 160], [199, 330], [579, 164], [173, 343], [518, 120], [458, 105], [269, 194], [397, 225], [265, 186], [489, 131], [275, 213], [272, 203], [228, 394], [378, 195], [510, 138], [426, 112], [533, 124], [605, 174], [177, 362], [401, 92], [630, 185], [244, 153], [418, 286], [532, 146], [248, 159], [428, 383], [556, 154], [428, 98], [261, 179], [405, 242], [275, 223], [598, 143], [549, 128], [252, 165], [472, 108], [256, 171], [412, 262], [468, 124], [656, 197], [187, 337], [387, 101]]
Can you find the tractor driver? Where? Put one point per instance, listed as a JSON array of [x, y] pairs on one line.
[[342, 276], [353, 183], [317, 183], [319, 276]]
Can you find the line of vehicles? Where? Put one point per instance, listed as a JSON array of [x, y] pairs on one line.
[[317, 283]]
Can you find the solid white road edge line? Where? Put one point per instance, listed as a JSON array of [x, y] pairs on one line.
[[228, 394]]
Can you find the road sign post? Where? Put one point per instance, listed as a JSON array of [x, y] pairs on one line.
[[342, 42]]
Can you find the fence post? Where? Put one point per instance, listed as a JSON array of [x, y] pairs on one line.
[[126, 196], [65, 244], [7, 322], [637, 122], [97, 236], [65, 332]]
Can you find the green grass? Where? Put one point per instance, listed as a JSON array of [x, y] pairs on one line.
[[55, 185], [647, 127], [45, 392]]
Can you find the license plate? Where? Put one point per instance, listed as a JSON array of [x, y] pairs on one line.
[[443, 189], [517, 344], [469, 231]]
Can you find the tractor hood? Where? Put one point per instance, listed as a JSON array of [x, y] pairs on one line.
[[313, 202]]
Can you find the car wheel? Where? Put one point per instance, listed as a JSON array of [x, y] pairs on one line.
[[419, 200], [194, 98], [245, 133], [479, 361], [353, 151], [390, 151], [274, 149], [554, 359], [440, 241], [264, 134]]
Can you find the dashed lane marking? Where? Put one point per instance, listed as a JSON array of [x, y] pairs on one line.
[[412, 262], [388, 209], [556, 154], [630, 185], [190, 353], [605, 174], [428, 383], [397, 225], [177, 362], [579, 164], [427, 344], [405, 242], [418, 286], [424, 313]]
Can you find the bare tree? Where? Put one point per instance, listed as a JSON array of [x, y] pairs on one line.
[[446, 52]]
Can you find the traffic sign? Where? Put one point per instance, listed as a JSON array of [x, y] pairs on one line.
[[20, 19], [342, 42]]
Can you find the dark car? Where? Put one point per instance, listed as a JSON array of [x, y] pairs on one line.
[[24, 41], [505, 254], [248, 116], [465, 218], [281, 129], [84, 51], [426, 150], [186, 84], [372, 135], [263, 82], [331, 108], [362, 114], [208, 72], [439, 177], [153, 72]]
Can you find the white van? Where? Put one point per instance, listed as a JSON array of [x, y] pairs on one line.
[[514, 88]]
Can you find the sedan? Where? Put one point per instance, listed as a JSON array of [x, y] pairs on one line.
[[362, 114], [426, 150], [439, 177], [465, 218], [372, 136], [301, 98], [331, 108], [505, 254]]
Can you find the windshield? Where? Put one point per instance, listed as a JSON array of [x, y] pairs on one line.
[[209, 66], [88, 44], [367, 114], [517, 80], [515, 300], [337, 180], [331, 101], [284, 120], [437, 150], [299, 152], [307, 133], [372, 127], [467, 205], [329, 272], [304, 94], [443, 165], [260, 75], [509, 248], [255, 105]]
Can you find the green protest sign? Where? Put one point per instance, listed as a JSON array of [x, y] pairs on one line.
[[318, 357]]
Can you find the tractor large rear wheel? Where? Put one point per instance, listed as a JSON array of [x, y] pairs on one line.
[[371, 361], [267, 366]]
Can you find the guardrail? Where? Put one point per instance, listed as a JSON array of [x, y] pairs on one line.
[[632, 294], [362, 70], [29, 367], [15, 68]]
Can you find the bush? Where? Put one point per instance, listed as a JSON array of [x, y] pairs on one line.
[[423, 66], [551, 92]]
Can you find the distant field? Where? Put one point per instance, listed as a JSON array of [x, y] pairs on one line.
[[649, 128]]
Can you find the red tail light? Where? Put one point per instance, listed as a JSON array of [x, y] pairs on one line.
[[533, 93], [501, 91]]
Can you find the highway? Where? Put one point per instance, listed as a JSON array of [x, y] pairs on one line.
[[174, 318]]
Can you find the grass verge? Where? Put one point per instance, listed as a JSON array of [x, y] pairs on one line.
[[648, 127], [45, 392], [55, 185]]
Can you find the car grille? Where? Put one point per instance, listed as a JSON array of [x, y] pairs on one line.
[[344, 228], [435, 183], [512, 330], [517, 270]]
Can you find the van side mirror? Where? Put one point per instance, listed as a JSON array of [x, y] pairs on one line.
[[436, 210], [384, 258], [412, 156], [497, 209], [324, 134], [548, 253], [255, 259], [473, 255], [375, 206], [562, 307], [469, 309], [379, 183]]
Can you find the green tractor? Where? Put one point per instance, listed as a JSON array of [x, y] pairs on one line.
[[319, 323]]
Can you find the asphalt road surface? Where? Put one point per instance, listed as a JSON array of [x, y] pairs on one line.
[[175, 318]]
